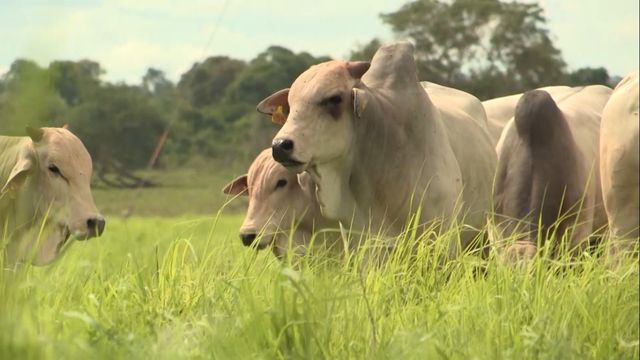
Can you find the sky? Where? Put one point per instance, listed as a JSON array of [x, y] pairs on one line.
[[128, 36]]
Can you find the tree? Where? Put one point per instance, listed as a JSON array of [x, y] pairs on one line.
[[488, 47], [28, 98], [589, 76], [75, 81], [156, 83], [205, 83], [120, 127], [365, 52], [273, 69]]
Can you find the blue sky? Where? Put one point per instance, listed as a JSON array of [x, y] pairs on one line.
[[127, 36]]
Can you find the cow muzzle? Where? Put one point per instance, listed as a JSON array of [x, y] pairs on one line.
[[95, 228], [249, 240], [282, 151]]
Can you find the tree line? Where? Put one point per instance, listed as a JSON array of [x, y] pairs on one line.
[[489, 48]]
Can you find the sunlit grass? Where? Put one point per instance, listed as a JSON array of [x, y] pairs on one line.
[[187, 288]]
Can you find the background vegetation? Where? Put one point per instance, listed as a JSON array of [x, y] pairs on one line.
[[489, 48]]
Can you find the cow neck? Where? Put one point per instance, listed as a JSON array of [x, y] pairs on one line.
[[332, 186], [394, 153]]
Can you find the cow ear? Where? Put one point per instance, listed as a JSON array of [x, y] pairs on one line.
[[18, 174], [358, 68], [276, 105], [237, 186], [360, 101], [35, 134]]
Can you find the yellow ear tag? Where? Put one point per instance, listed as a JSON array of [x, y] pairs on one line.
[[278, 116]]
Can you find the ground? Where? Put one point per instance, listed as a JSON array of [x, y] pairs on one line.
[[172, 287]]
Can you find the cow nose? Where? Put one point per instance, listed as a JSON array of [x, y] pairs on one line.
[[247, 239], [282, 149], [96, 225]]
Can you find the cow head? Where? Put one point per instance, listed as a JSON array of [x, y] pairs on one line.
[[52, 176], [317, 113], [278, 200]]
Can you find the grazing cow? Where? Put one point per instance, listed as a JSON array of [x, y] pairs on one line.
[[619, 163], [547, 180], [378, 148], [500, 110], [45, 186], [282, 205]]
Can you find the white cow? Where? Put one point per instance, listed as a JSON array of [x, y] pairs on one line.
[[380, 150], [458, 99], [619, 163], [282, 207], [547, 180], [45, 184]]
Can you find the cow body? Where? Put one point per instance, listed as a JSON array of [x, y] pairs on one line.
[[547, 181], [619, 163], [443, 96], [45, 196]]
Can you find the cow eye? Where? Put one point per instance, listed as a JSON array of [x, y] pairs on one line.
[[281, 183], [54, 169], [332, 100]]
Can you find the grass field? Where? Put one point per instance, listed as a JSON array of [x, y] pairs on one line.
[[172, 288], [193, 190]]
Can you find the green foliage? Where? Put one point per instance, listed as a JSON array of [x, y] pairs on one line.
[[75, 81], [271, 70], [489, 48], [28, 98], [187, 288], [205, 83], [365, 52], [590, 76], [120, 128]]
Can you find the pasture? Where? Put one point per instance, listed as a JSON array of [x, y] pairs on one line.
[[166, 96], [185, 287]]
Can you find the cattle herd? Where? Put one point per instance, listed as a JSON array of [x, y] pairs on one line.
[[367, 147]]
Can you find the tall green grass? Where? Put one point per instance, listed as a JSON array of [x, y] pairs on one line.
[[168, 288]]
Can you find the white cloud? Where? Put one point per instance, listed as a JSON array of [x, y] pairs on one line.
[[128, 61], [127, 36]]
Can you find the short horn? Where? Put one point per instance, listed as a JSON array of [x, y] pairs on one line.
[[35, 134], [358, 68]]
